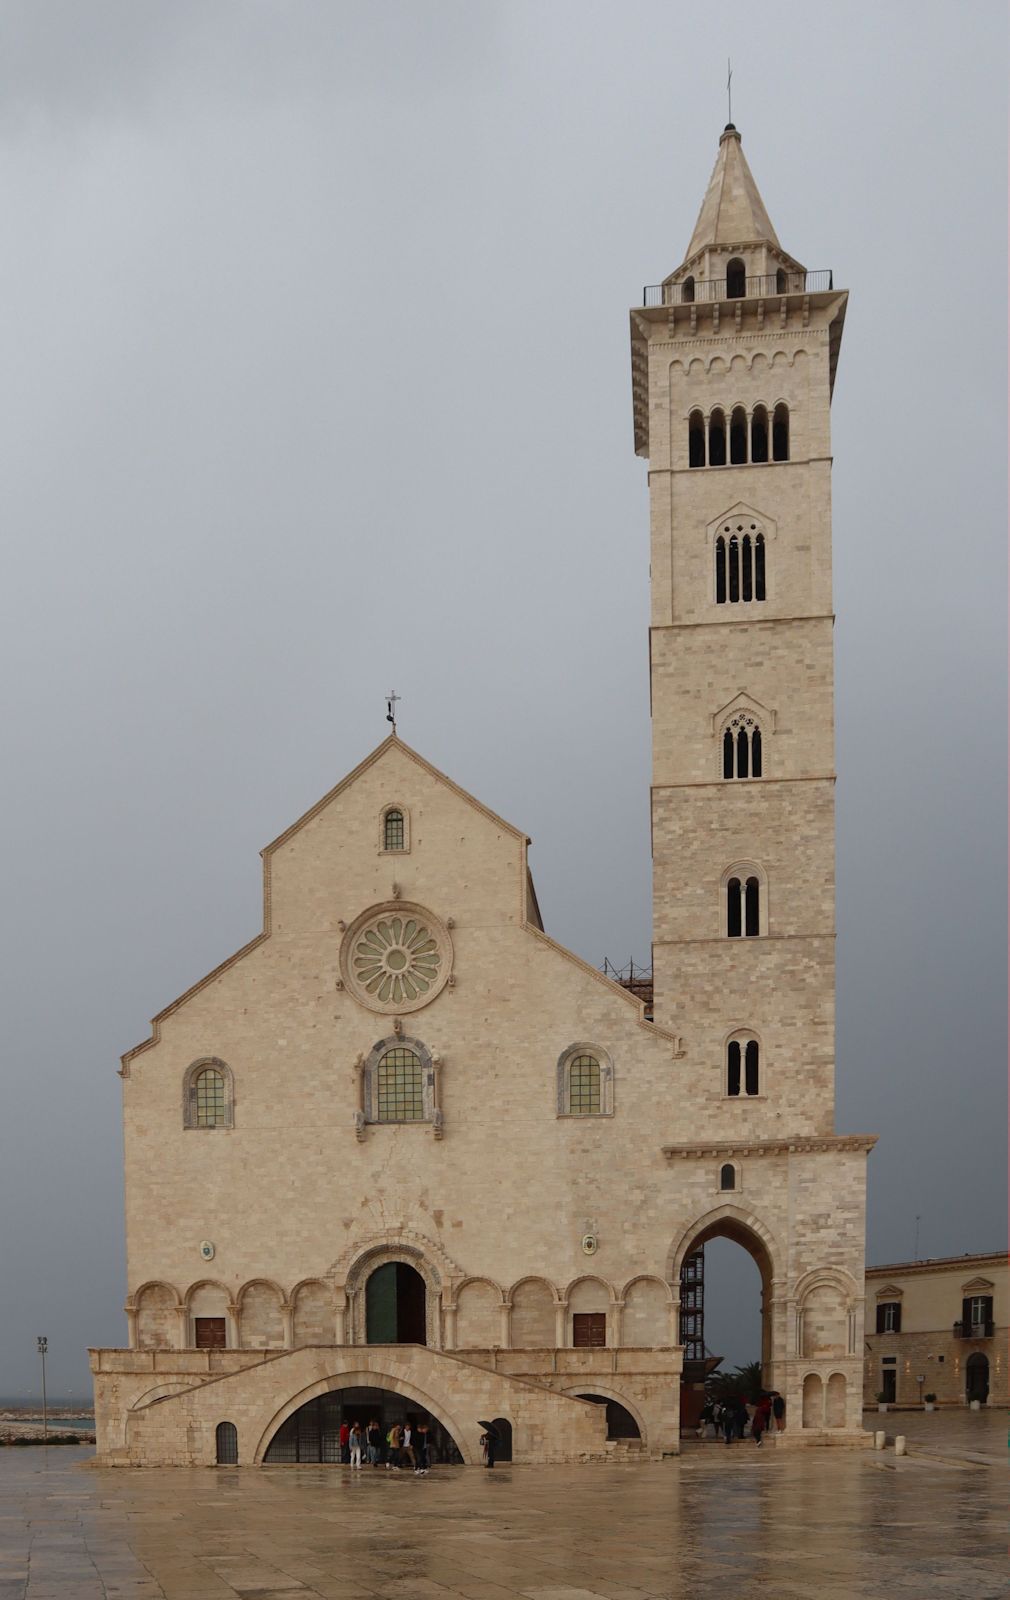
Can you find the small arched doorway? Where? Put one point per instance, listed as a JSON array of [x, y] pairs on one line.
[[976, 1378], [503, 1428], [395, 1305], [620, 1423]]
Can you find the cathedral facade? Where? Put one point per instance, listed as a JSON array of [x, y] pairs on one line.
[[403, 1154]]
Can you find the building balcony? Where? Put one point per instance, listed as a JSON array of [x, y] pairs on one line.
[[974, 1330], [695, 290]]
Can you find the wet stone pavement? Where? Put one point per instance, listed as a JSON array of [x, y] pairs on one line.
[[737, 1522]]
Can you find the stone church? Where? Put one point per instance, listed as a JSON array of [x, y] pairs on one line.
[[507, 1162]]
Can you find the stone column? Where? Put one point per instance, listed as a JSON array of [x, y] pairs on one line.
[[615, 1325], [675, 1321], [341, 1314], [505, 1312], [288, 1313], [182, 1313], [561, 1324], [233, 1332], [131, 1326], [449, 1309]]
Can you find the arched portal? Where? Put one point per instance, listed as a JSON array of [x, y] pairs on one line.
[[312, 1432], [732, 1223], [976, 1377], [395, 1305]]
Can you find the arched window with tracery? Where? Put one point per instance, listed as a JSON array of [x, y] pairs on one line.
[[696, 439], [743, 906], [395, 832], [742, 755], [780, 433], [740, 568], [208, 1100], [743, 1066]]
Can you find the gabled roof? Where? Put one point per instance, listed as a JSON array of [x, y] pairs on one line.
[[732, 211]]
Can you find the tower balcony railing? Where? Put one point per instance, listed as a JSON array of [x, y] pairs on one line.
[[775, 283]]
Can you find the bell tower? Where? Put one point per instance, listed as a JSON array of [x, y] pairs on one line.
[[733, 365]]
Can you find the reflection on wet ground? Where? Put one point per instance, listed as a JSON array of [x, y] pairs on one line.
[[740, 1522]]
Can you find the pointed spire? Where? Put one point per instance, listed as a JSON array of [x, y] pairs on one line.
[[732, 211]]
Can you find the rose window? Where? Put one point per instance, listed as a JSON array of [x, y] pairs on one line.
[[396, 959]]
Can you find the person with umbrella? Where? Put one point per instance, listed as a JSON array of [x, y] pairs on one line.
[[488, 1441]]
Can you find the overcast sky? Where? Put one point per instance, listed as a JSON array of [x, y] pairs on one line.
[[315, 381]]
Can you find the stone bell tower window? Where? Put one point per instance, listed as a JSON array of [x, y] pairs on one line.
[[738, 437], [741, 747], [743, 907], [696, 439], [780, 433], [717, 439], [736, 279], [742, 1066], [759, 434], [740, 570]]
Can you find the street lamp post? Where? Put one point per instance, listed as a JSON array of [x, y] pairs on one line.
[[43, 1345]]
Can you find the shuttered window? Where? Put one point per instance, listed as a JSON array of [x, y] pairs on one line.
[[210, 1333], [589, 1330]]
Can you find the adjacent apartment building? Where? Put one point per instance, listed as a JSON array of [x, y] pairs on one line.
[[937, 1327]]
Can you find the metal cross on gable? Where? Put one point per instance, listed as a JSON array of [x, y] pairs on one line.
[[392, 700]]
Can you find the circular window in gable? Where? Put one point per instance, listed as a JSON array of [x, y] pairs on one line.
[[396, 957]]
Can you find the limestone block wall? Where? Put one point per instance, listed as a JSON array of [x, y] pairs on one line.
[[941, 1359], [180, 1429], [783, 669]]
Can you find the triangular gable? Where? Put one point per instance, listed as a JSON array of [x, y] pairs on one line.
[[393, 741], [978, 1286], [742, 701], [745, 514], [890, 1292]]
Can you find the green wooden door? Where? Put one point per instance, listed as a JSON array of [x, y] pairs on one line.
[[380, 1305]]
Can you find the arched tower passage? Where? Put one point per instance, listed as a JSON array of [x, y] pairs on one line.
[[743, 1228], [407, 1392]]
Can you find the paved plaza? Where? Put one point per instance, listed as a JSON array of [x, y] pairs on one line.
[[737, 1522]]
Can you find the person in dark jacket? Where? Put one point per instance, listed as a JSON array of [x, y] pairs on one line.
[[345, 1442], [373, 1441], [488, 1440], [421, 1445], [778, 1411]]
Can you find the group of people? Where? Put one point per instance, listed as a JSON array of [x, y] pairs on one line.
[[403, 1447], [733, 1417]]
